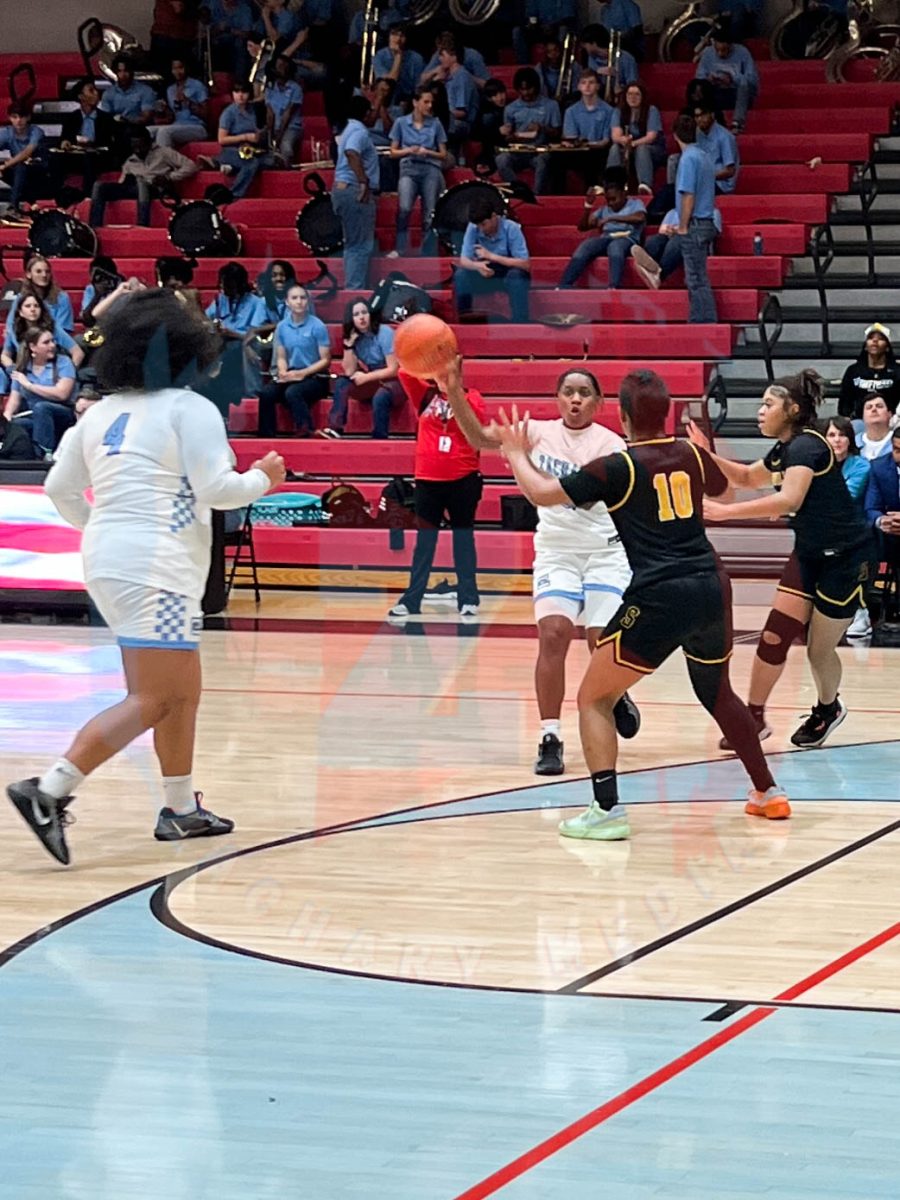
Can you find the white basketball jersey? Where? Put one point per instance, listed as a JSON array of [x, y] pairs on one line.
[[559, 451], [157, 462]]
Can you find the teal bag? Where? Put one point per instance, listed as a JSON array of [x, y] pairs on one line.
[[288, 509]]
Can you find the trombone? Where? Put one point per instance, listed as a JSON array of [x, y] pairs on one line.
[[566, 68], [613, 63], [260, 63], [369, 39]]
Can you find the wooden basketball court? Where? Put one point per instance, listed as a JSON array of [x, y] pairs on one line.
[[394, 979]]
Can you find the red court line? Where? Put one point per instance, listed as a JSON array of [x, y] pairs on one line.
[[558, 1141]]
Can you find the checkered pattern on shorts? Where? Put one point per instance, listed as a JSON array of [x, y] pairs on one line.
[[183, 507], [171, 617]]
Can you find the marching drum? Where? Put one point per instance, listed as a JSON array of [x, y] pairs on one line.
[[197, 228], [55, 234], [317, 224], [451, 213]]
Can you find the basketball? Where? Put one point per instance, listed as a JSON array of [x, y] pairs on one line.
[[425, 345]]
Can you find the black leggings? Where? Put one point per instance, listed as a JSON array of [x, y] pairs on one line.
[[458, 498]]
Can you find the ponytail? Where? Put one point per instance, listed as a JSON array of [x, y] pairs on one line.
[[805, 389]]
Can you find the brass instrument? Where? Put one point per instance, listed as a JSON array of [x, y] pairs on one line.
[[247, 150], [369, 40], [257, 77], [472, 12], [613, 61], [421, 11], [118, 41], [868, 41], [93, 337], [566, 67], [821, 44], [205, 55], [691, 19]]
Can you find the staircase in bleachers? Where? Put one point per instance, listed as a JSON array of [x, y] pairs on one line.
[[800, 154]]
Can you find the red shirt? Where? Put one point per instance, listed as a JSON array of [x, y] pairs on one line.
[[442, 452]]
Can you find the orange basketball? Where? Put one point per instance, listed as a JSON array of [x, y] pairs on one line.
[[425, 345]]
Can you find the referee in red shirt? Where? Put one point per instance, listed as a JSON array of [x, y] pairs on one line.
[[448, 481]]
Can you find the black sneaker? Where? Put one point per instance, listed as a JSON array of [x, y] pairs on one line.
[[550, 756], [170, 827], [46, 818], [761, 728], [627, 717], [818, 725]]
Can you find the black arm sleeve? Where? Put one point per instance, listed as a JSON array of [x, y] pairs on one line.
[[607, 479]]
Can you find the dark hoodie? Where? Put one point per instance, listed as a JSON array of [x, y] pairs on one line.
[[861, 382]]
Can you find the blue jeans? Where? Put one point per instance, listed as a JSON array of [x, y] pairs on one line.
[[131, 189], [739, 98], [297, 396], [509, 167], [49, 421], [646, 160], [246, 170], [666, 251], [694, 246], [617, 250], [384, 398], [423, 179], [512, 280], [358, 223]]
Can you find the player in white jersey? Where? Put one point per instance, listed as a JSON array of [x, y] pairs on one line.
[[580, 568], [157, 459]]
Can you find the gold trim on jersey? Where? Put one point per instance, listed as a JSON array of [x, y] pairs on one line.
[[821, 438], [795, 592], [707, 661], [611, 508], [856, 594], [616, 639], [699, 462], [653, 441]]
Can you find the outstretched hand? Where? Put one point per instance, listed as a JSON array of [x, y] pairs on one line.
[[697, 436], [512, 432], [714, 510]]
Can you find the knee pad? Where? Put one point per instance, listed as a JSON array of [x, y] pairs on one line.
[[784, 630]]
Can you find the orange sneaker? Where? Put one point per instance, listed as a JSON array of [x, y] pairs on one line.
[[772, 804]]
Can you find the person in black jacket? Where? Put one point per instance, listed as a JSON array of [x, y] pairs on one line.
[[89, 142], [875, 373]]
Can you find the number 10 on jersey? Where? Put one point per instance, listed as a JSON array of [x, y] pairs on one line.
[[673, 493]]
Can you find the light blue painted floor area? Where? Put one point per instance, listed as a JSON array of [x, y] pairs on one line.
[[140, 1065]]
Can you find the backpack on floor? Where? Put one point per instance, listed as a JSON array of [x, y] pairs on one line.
[[346, 506]]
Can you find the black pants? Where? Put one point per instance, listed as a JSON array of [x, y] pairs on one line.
[[297, 396], [458, 498]]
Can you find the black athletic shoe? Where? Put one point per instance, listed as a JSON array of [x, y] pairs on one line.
[[170, 827], [550, 756], [761, 728], [45, 817], [818, 725], [627, 717]]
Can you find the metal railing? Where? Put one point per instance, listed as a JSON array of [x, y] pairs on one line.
[[770, 311], [867, 179], [821, 248]]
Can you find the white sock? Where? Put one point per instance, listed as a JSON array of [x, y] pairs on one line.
[[61, 780], [180, 796], [554, 727]]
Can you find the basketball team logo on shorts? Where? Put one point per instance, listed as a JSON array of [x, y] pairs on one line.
[[197, 625], [629, 617], [542, 581]]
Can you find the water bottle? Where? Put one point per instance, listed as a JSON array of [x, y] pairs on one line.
[[758, 244]]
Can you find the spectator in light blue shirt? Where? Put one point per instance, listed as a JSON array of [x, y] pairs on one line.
[[695, 193], [532, 120], [284, 110], [302, 355], [127, 99], [730, 68], [420, 143], [494, 257], [638, 134], [238, 127], [550, 72], [462, 92], [472, 60], [620, 222], [187, 102], [588, 122], [356, 179], [396, 62], [26, 168], [595, 40], [721, 146]]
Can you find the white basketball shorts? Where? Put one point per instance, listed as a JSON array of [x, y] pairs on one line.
[[586, 588], [147, 617]]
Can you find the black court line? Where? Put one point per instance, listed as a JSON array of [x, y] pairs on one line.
[[735, 906]]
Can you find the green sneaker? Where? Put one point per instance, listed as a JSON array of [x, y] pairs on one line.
[[598, 825]]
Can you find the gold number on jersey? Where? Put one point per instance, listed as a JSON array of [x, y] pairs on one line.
[[673, 492]]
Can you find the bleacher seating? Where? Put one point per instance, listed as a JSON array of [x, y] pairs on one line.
[[802, 141]]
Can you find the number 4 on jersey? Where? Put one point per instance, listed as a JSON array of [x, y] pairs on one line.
[[673, 492], [115, 435]]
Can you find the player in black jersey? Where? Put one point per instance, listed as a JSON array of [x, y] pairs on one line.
[[679, 595], [823, 581]]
